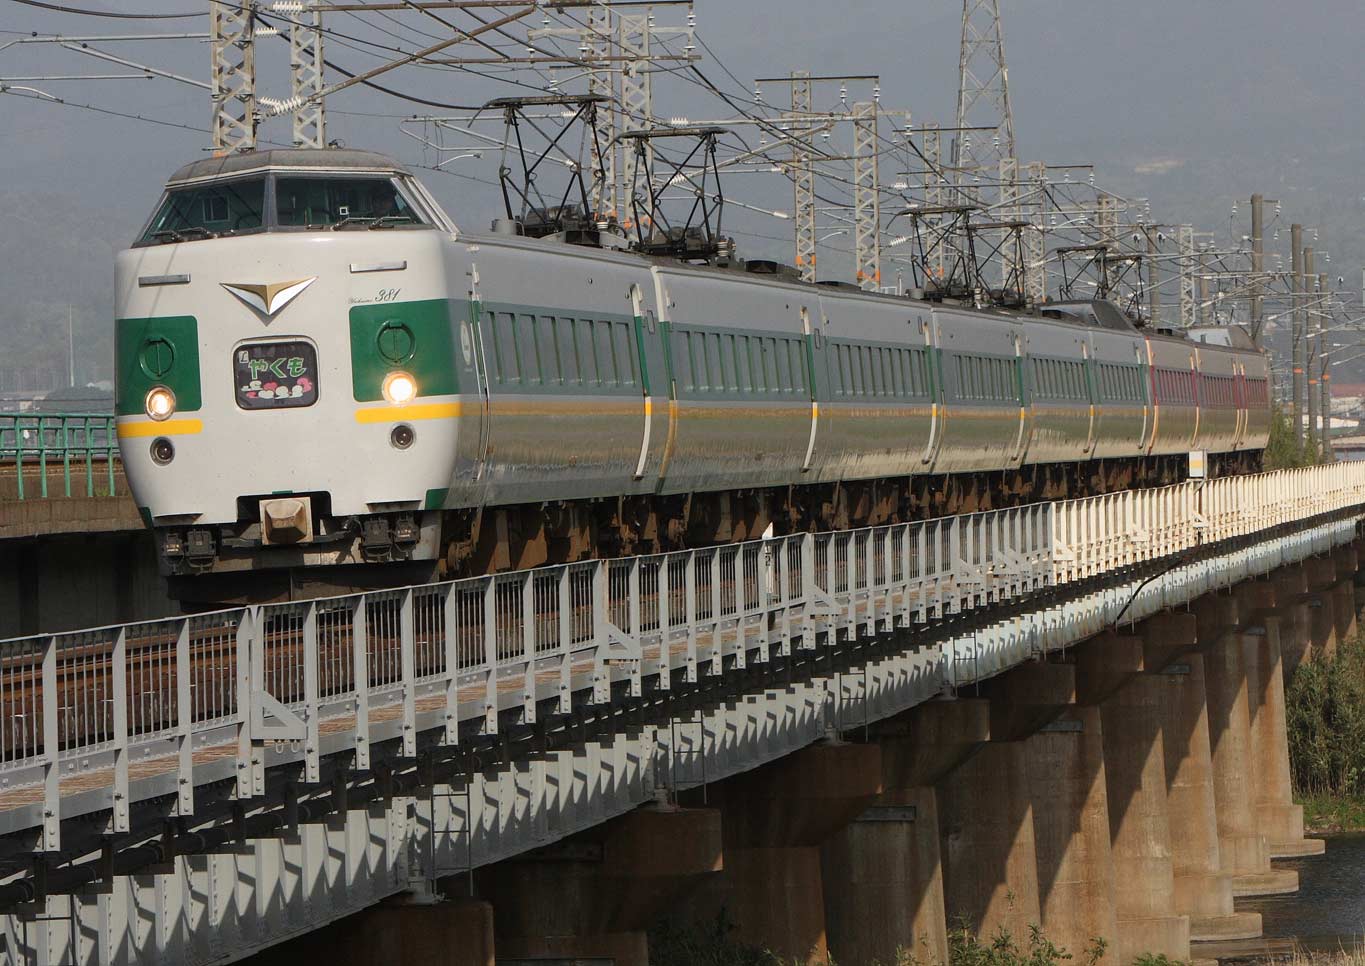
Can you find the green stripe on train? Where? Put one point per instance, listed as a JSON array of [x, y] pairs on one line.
[[415, 337], [157, 352]]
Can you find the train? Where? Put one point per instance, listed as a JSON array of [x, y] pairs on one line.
[[315, 368]]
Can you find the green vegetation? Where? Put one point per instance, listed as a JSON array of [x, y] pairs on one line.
[[1325, 704], [1283, 450], [965, 949]]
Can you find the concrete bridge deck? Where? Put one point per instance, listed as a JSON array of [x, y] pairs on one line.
[[199, 789]]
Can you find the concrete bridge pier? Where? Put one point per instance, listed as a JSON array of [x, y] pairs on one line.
[[1321, 598], [1273, 808], [1291, 594], [887, 862], [1071, 826], [595, 895], [987, 816], [1149, 921], [1202, 889], [1243, 849], [775, 819], [1344, 592], [456, 932]]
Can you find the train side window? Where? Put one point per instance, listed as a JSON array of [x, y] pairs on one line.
[[582, 340], [685, 363], [714, 369], [782, 364], [504, 353], [624, 348], [528, 330]]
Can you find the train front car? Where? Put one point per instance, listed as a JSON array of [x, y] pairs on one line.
[[284, 363]]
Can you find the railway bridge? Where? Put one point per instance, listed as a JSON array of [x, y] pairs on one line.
[[1069, 714]]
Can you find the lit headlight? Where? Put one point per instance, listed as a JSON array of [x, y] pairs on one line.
[[399, 388], [160, 403]]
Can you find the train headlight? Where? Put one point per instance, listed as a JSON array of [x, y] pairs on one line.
[[400, 388], [160, 403]]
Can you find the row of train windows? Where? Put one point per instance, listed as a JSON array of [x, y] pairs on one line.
[[1220, 391], [1175, 386], [539, 350], [869, 370], [986, 378], [1060, 379], [1121, 383], [726, 362]]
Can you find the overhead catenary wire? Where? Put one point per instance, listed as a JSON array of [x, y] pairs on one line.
[[109, 14]]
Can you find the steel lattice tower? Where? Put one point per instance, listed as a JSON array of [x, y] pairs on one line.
[[866, 197], [803, 173], [234, 75], [306, 79], [983, 93]]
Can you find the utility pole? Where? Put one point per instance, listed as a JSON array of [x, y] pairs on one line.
[[1185, 242], [932, 149], [598, 40], [70, 345], [803, 174], [1153, 276], [1257, 265], [233, 66], [1298, 340], [1325, 376], [1035, 236], [1310, 345], [306, 79], [637, 94], [1207, 316], [867, 221]]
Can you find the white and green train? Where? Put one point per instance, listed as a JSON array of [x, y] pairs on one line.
[[316, 368]]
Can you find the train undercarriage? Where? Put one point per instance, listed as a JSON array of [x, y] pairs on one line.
[[498, 539]]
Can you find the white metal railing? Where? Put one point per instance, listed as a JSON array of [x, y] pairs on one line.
[[76, 708]]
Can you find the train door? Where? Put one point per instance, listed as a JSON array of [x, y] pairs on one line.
[[1021, 440], [1091, 394], [935, 373], [808, 337], [481, 336], [651, 347], [1239, 399], [1195, 387], [1148, 401]]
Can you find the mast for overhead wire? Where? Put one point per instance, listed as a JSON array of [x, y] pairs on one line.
[[867, 220], [306, 79], [597, 43], [803, 174], [233, 66]]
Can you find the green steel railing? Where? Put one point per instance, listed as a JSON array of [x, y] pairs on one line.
[[41, 442]]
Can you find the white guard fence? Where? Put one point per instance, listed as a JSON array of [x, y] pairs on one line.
[[96, 720]]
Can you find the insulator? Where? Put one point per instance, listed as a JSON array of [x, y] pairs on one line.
[[678, 121], [843, 93], [691, 17], [287, 6]]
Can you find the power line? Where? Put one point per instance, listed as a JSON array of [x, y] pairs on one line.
[[59, 8]]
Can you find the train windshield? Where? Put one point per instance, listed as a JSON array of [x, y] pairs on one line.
[[340, 202], [207, 211]]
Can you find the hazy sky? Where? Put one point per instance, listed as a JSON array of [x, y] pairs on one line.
[[1193, 103]]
